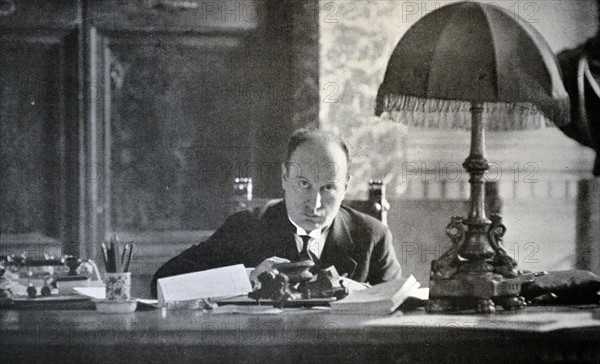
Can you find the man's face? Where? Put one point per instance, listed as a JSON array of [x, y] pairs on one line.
[[315, 181]]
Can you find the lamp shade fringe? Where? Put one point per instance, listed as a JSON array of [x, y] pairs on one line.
[[453, 114]]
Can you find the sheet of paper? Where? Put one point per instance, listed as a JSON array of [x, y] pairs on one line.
[[146, 301], [219, 282], [421, 293], [98, 293], [246, 310]]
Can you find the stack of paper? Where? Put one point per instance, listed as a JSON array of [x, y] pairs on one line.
[[219, 282]]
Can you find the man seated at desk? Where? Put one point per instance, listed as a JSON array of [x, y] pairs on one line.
[[309, 223]]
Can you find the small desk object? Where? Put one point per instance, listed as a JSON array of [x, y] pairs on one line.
[[532, 335]]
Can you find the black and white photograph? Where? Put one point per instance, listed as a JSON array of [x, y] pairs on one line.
[[299, 181]]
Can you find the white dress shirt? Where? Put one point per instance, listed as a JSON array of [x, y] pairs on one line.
[[316, 241]]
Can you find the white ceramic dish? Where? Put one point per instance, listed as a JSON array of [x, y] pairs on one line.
[[104, 306]]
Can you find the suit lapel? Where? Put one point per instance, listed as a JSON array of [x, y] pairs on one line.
[[338, 246], [281, 234]]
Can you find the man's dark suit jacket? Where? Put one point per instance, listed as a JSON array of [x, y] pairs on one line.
[[357, 245]]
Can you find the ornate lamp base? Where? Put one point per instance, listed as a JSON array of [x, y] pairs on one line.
[[476, 272], [480, 292], [480, 283]]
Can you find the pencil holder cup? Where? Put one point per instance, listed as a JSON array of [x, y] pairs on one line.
[[118, 286]]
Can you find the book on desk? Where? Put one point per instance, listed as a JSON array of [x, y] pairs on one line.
[[383, 298]]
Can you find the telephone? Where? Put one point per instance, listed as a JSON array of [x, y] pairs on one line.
[[50, 276], [290, 282]]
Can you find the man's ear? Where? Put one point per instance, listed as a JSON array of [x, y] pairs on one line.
[[283, 174], [348, 179]]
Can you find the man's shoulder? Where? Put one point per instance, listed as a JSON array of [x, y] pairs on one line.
[[272, 209], [275, 210], [358, 219]]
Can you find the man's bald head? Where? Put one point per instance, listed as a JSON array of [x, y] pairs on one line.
[[302, 136]]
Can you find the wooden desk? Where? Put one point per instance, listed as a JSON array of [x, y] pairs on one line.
[[184, 336]]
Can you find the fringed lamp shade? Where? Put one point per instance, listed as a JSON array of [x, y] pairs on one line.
[[472, 53], [474, 66]]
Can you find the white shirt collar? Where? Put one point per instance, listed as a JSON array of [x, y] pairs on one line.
[[300, 231], [316, 242]]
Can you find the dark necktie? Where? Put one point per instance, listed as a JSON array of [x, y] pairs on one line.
[[305, 254]]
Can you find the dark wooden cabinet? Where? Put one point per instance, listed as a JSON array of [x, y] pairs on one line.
[[39, 117], [134, 117]]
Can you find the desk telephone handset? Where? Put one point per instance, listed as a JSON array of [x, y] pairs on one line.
[[290, 282]]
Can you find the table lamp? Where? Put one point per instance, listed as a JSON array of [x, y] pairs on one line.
[[474, 66]]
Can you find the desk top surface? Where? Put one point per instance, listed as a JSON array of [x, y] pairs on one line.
[[190, 327], [536, 334]]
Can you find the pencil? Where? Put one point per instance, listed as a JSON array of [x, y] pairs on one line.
[[123, 257], [105, 256], [109, 259], [129, 257], [117, 256]]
